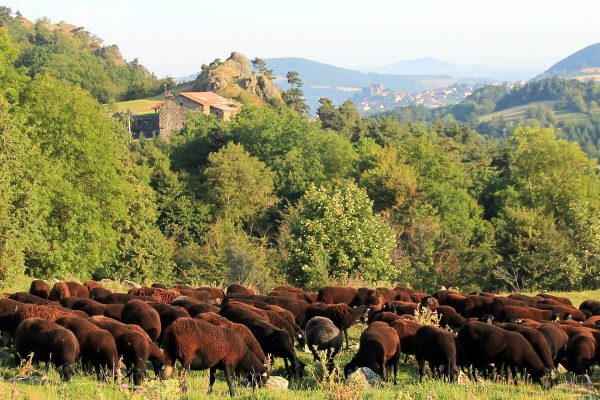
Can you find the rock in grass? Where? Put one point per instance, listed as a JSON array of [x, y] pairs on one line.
[[364, 377], [277, 383], [130, 284]]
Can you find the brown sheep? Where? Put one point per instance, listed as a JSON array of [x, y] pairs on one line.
[[481, 344], [216, 294], [39, 311], [199, 345], [406, 331], [379, 350], [59, 291], [562, 300], [90, 284], [133, 346], [593, 306], [67, 302], [138, 312], [513, 313], [114, 311], [347, 295], [24, 297], [242, 330], [89, 306], [449, 317], [239, 289], [47, 342], [437, 347], [8, 308], [157, 294], [40, 289], [99, 293], [384, 316], [97, 346], [168, 314], [273, 340]]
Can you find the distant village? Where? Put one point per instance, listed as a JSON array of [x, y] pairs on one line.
[[376, 98]]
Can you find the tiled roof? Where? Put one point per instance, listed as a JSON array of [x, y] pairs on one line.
[[205, 98]]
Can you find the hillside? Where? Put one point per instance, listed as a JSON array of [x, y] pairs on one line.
[[71, 53], [430, 65], [583, 64], [570, 106]]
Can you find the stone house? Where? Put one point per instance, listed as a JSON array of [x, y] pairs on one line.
[[173, 112]]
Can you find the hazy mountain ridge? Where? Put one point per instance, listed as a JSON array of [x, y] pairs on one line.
[[581, 63]]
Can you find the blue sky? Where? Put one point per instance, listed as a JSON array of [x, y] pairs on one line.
[[176, 37]]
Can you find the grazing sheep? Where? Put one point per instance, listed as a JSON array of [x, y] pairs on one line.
[[89, 306], [140, 313], [168, 314], [40, 289], [347, 295], [482, 344], [48, 342], [593, 306], [241, 329], [379, 350], [42, 311], [156, 294], [199, 345], [97, 346], [133, 345], [322, 333], [239, 289], [24, 297], [437, 347], [274, 341]]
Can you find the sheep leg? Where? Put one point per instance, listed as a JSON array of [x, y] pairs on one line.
[[421, 369], [405, 358], [395, 372], [346, 336], [229, 377], [211, 379], [287, 368], [314, 352], [182, 376]]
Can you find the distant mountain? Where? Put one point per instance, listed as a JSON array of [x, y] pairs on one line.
[[340, 84], [585, 62], [315, 73], [430, 65]]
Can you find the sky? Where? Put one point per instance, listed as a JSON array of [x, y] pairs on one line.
[[176, 37]]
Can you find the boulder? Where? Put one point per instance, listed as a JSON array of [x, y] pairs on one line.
[[277, 383], [364, 377]]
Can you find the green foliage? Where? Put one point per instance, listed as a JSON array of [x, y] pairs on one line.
[[75, 55], [294, 96], [334, 234], [237, 185]]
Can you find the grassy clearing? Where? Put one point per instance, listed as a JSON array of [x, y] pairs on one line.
[[139, 107], [515, 112], [310, 387], [142, 106]]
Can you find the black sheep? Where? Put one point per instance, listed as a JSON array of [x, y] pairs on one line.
[[437, 347]]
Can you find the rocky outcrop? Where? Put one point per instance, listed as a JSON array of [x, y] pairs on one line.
[[234, 77]]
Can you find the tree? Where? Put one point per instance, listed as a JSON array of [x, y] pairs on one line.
[[260, 65], [334, 234], [294, 96], [238, 185], [329, 115]]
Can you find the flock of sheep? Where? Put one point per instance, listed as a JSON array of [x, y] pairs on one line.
[[241, 333]]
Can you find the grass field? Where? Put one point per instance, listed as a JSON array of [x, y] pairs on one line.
[[520, 112], [310, 387], [142, 106]]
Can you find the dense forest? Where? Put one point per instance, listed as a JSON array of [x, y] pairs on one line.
[[569, 106], [273, 197]]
